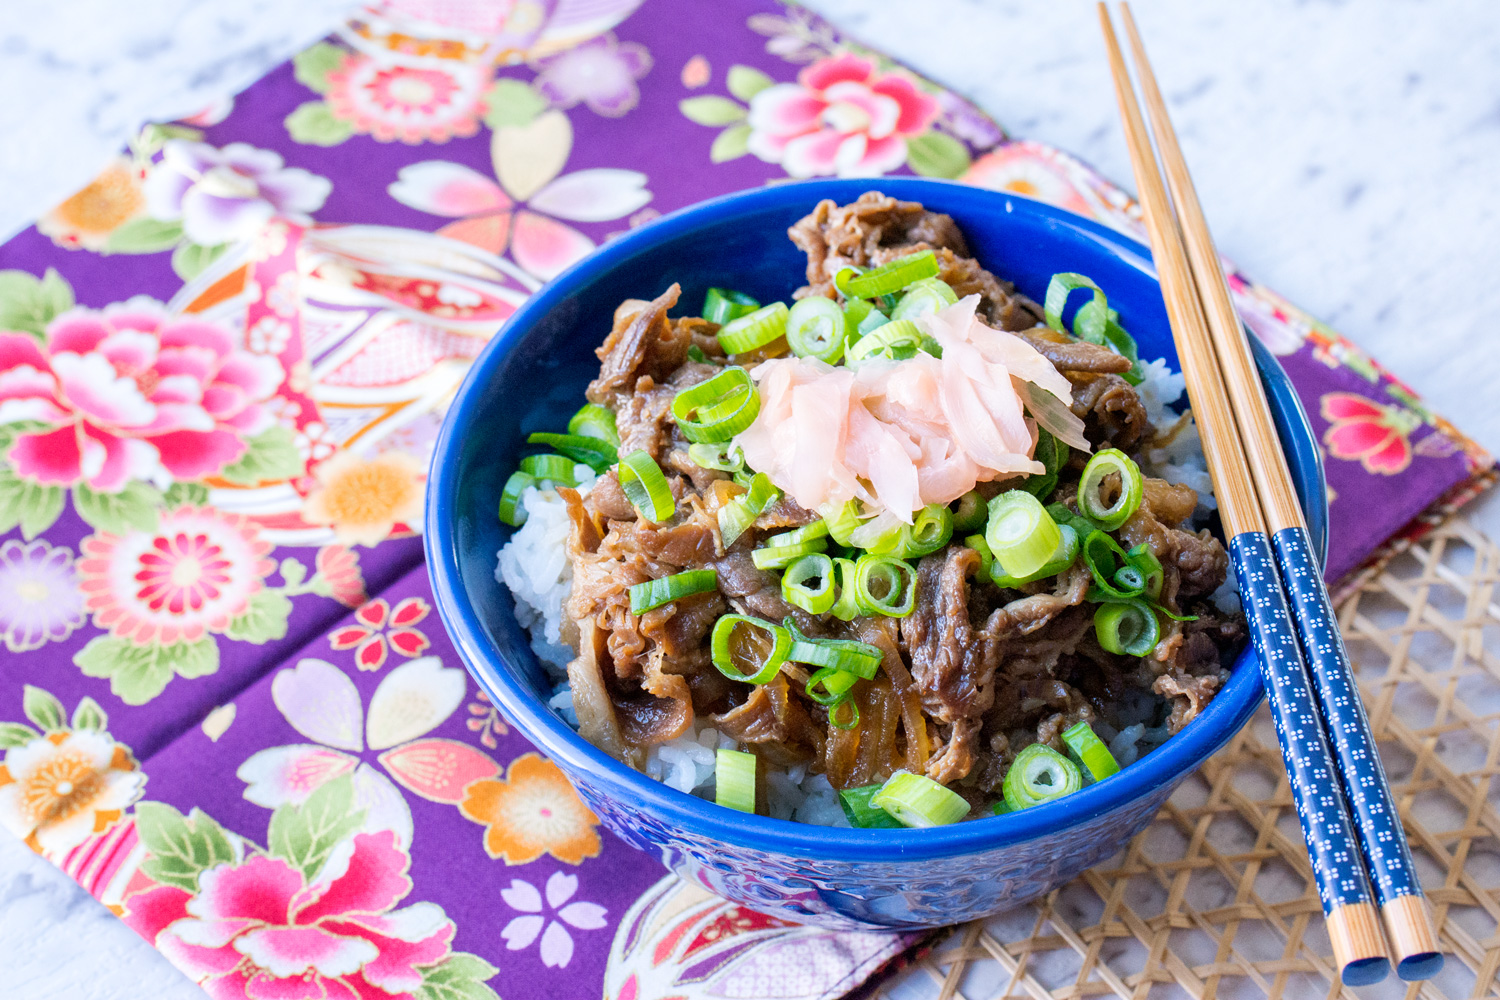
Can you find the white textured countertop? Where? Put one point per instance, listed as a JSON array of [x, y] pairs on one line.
[[1347, 155]]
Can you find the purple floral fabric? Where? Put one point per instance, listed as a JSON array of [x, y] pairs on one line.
[[226, 707]]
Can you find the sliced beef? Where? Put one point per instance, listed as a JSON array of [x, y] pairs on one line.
[[1193, 563], [1112, 414], [643, 342], [951, 662], [1188, 695], [1068, 354]]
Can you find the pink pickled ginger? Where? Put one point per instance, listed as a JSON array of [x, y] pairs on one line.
[[899, 435]]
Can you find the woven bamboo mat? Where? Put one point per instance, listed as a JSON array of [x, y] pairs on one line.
[[1216, 899]]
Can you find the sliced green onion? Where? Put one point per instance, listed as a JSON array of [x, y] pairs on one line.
[[718, 409], [846, 608], [917, 800], [551, 468], [898, 339], [884, 585], [695, 353], [924, 298], [654, 593], [1088, 323], [754, 659], [755, 329], [511, 511], [1040, 774], [1062, 514], [1106, 462], [595, 421], [720, 305], [1123, 343], [817, 328], [734, 780], [1105, 559], [929, 531], [1145, 560], [1128, 627], [850, 717], [646, 487], [782, 556], [858, 658], [725, 456], [1021, 534], [971, 512], [841, 520], [1062, 557], [986, 557], [1053, 454], [596, 453], [892, 276], [1164, 613], [807, 533], [829, 686], [1000, 808], [873, 320], [762, 493], [856, 311], [862, 815], [1089, 751], [797, 588], [734, 518], [880, 535]]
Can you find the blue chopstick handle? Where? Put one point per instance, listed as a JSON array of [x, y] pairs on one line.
[[1379, 827], [1337, 868]]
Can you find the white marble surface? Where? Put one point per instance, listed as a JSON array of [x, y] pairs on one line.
[[1346, 154]]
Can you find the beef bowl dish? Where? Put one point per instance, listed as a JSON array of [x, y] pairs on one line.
[[850, 546]]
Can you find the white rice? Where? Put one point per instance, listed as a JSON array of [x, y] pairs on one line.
[[534, 565]]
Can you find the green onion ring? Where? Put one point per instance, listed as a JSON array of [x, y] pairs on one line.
[[511, 511], [807, 533], [850, 721], [654, 593], [986, 557], [646, 487], [971, 512], [892, 276], [1104, 558], [915, 800], [1110, 460], [924, 298], [782, 556], [596, 453], [720, 305], [550, 468], [898, 339], [1062, 558], [862, 815], [894, 579], [841, 520], [762, 493], [1085, 747], [752, 330], [817, 328], [1021, 534], [725, 655], [1040, 774], [1128, 627], [1145, 560], [873, 320], [846, 608], [929, 531], [1053, 454], [595, 421], [794, 583], [734, 518], [835, 686], [723, 456], [734, 780], [859, 658], [718, 409]]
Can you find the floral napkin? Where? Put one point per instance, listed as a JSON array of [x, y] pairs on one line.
[[229, 712]]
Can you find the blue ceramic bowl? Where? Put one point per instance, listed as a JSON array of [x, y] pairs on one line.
[[532, 377]]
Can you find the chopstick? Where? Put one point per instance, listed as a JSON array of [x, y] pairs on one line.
[[1343, 886], [1403, 907]]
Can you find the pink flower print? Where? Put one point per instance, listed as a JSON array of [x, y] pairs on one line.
[[1377, 436], [393, 100], [368, 638], [528, 160], [840, 117], [229, 194], [321, 703], [131, 393], [557, 943], [338, 565], [601, 73], [258, 928], [39, 597], [192, 575]]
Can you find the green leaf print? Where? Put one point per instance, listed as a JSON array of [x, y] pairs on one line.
[[510, 102], [935, 154], [181, 847], [88, 715], [272, 455], [29, 303], [731, 144], [313, 124], [264, 620], [139, 673], [32, 506], [144, 235], [312, 65], [16, 734], [44, 709], [460, 976], [185, 494], [191, 260], [711, 110], [303, 836], [133, 507], [747, 81]]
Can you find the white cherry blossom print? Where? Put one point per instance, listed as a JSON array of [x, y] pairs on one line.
[[551, 921]]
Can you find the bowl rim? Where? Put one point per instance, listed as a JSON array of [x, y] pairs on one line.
[[1163, 767]]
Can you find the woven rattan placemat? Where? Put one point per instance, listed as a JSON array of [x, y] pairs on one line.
[[1216, 899]]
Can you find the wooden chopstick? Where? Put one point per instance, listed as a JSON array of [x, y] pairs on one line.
[[1406, 914], [1343, 886]]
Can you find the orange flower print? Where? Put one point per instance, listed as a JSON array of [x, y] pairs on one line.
[[1376, 435], [531, 812]]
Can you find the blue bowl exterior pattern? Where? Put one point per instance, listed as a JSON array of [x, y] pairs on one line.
[[531, 377]]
